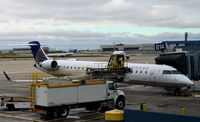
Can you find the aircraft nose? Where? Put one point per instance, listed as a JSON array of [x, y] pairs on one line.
[[190, 82], [182, 79], [187, 81]]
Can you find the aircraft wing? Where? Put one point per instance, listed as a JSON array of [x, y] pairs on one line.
[[22, 81]]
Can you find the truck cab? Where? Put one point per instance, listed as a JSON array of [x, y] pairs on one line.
[[115, 94]]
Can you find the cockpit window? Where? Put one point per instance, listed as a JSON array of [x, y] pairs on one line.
[[167, 72], [175, 72]]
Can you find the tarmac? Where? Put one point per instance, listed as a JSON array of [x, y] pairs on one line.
[[156, 99]]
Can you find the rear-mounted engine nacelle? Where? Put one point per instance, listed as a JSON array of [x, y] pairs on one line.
[[49, 64]]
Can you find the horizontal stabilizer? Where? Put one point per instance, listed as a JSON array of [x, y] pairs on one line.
[[7, 77]]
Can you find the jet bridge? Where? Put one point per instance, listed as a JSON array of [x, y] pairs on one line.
[[185, 62]]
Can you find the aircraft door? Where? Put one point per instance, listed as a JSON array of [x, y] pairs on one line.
[[152, 76], [168, 76], [158, 76]]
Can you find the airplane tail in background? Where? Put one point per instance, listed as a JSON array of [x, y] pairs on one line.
[[38, 53]]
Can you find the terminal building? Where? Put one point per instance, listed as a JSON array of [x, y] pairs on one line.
[[123, 47], [26, 50], [21, 51], [182, 45], [171, 46]]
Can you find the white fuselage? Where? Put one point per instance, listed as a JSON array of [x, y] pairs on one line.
[[144, 74]]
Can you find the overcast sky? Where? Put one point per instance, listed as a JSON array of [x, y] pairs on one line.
[[86, 24]]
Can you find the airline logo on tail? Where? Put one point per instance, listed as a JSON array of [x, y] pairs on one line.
[[40, 56], [38, 53]]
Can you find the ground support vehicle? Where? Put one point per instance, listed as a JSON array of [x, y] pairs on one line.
[[13, 103], [51, 99]]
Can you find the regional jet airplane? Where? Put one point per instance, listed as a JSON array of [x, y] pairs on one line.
[[144, 74]]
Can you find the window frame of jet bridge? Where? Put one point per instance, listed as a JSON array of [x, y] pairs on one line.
[[35, 76]]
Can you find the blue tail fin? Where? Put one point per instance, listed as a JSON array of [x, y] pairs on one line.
[[38, 53]]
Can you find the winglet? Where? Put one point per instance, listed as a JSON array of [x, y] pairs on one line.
[[7, 77]]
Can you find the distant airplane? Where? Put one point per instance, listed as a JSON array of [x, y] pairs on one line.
[[143, 74], [60, 54]]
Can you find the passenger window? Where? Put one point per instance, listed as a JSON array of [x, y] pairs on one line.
[[74, 67], [136, 71], [145, 72], [71, 67], [167, 72], [140, 71], [67, 67]]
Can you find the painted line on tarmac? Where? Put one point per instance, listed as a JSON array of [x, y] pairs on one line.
[[18, 117]]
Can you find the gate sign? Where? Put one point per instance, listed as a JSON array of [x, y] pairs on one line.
[[160, 47]]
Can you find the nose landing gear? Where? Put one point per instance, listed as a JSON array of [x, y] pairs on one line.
[[183, 92]]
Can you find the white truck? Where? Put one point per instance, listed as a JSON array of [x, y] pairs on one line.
[[57, 100]]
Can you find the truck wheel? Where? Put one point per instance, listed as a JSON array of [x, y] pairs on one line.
[[120, 103], [64, 112]]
